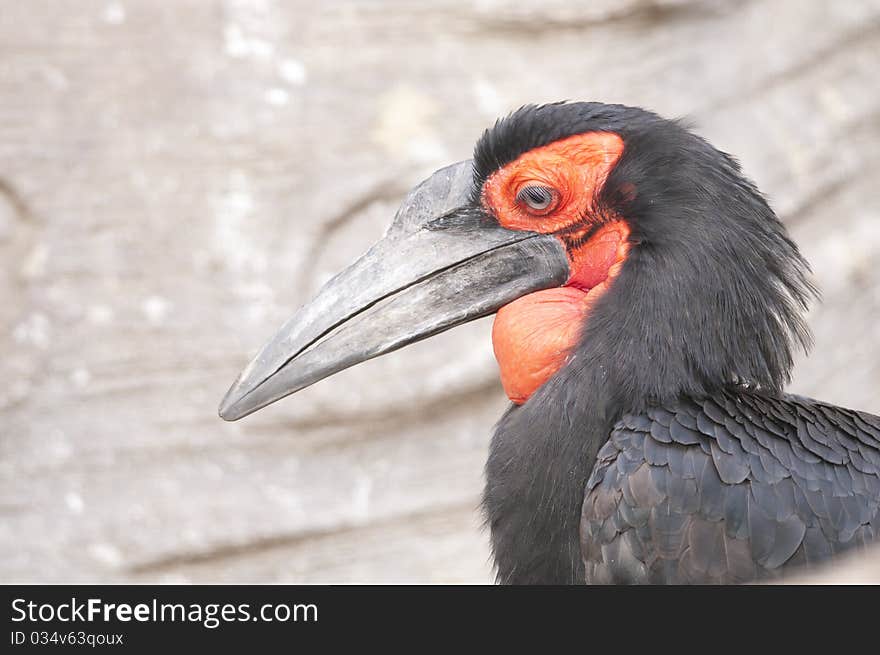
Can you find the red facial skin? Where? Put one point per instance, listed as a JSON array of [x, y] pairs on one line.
[[533, 336]]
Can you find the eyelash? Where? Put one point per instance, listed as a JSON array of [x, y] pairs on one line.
[[536, 193]]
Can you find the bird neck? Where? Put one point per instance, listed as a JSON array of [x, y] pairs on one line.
[[540, 458]]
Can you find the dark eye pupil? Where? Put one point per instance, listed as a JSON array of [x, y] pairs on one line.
[[536, 197]]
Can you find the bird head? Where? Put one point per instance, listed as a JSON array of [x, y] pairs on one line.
[[607, 239]]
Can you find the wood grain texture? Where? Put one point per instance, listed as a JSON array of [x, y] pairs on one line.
[[176, 177]]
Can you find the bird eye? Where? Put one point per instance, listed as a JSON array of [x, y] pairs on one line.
[[537, 199]]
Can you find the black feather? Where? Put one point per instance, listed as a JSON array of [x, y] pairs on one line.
[[748, 516]]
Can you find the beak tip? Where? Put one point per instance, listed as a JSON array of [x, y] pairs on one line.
[[228, 410]]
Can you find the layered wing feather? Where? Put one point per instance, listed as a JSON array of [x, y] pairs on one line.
[[730, 489]]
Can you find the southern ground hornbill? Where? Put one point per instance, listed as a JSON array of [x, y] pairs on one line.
[[648, 302]]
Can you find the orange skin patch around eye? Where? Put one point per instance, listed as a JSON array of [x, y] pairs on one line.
[[533, 335], [576, 167]]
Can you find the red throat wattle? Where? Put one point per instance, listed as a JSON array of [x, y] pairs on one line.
[[533, 336]]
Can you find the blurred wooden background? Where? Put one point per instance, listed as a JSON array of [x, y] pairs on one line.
[[176, 177]]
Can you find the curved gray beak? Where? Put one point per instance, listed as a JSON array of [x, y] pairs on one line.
[[442, 263]]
